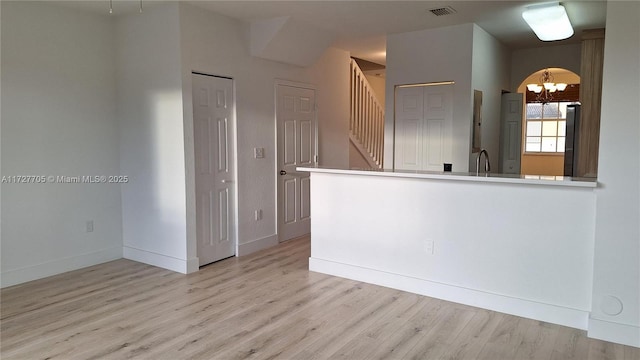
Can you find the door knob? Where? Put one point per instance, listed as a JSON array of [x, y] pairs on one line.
[[282, 172], [226, 181]]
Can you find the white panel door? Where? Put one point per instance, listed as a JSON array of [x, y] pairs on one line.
[[423, 120], [438, 122], [213, 120], [409, 128], [296, 129], [511, 133]]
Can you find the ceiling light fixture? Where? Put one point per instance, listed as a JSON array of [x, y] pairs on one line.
[[111, 6], [549, 21], [544, 92]]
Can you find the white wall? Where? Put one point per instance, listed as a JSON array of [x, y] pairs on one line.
[[112, 97], [524, 62], [356, 159], [151, 138], [215, 44], [0, 148], [520, 256], [429, 56], [331, 74], [58, 118], [287, 40], [490, 74], [616, 283]]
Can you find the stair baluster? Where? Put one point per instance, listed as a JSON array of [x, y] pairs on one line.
[[366, 125]]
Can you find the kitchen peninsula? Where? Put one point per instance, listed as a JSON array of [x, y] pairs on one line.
[[515, 244]]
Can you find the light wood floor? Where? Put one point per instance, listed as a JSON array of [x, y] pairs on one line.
[[266, 306]]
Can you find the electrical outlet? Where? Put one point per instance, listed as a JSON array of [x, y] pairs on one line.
[[258, 214], [429, 247], [89, 226], [258, 153]]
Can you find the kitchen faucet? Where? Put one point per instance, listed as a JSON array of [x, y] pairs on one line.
[[487, 165]]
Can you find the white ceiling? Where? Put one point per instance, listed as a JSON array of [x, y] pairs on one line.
[[361, 26]]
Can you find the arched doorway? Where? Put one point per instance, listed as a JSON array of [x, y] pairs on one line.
[[544, 123]]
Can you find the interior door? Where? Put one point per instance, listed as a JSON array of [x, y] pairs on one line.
[[511, 133], [409, 109], [423, 120], [214, 126], [296, 133], [438, 123]]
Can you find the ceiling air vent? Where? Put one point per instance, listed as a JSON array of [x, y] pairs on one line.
[[448, 10]]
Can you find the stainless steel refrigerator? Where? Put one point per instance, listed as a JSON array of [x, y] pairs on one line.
[[571, 141]]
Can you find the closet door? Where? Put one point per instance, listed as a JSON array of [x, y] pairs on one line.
[[423, 120]]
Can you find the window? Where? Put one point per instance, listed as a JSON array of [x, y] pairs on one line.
[[546, 127]]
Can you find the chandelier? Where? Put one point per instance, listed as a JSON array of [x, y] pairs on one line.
[[544, 92]]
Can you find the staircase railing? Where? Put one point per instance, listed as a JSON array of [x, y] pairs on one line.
[[367, 117]]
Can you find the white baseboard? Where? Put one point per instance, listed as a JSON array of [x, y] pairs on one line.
[[55, 267], [614, 332], [504, 304], [193, 265], [257, 245], [159, 260]]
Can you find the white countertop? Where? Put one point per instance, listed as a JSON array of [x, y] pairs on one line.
[[491, 178]]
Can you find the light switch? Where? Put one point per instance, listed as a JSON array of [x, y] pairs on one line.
[[258, 153]]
